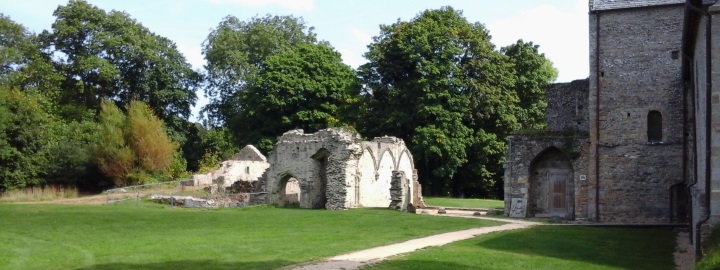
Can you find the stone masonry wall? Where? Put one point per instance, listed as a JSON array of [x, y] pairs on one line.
[[567, 108], [522, 150], [389, 154], [638, 72], [293, 157], [336, 170]]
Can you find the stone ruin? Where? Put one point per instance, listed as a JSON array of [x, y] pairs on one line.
[[331, 169], [239, 173], [335, 169]]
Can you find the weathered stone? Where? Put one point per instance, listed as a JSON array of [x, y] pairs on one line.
[[441, 210], [477, 213], [184, 201], [247, 165], [336, 170], [410, 208], [613, 148]]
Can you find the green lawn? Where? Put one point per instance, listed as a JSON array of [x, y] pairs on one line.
[[126, 236], [464, 203], [549, 247]]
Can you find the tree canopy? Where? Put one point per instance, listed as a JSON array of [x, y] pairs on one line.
[[110, 99], [235, 52], [305, 87], [108, 55], [438, 82]]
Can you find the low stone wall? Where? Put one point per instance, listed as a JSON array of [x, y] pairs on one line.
[[184, 201]]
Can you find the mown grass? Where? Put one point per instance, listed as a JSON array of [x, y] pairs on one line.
[[464, 203], [148, 236], [42, 193], [711, 248], [549, 247]]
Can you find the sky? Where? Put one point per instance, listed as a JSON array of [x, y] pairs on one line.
[[559, 27]]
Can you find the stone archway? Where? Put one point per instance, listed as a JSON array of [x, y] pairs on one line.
[[551, 185], [289, 192]]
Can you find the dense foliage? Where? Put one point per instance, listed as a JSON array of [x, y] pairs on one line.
[[235, 52], [108, 55], [438, 82], [110, 100], [135, 147], [24, 134]]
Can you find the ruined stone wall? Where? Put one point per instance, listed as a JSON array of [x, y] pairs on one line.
[[247, 165], [388, 154], [336, 170], [567, 109], [322, 162], [241, 170], [638, 71], [522, 151]]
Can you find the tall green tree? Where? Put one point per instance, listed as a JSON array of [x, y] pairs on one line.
[[305, 87], [533, 75], [235, 51], [24, 66], [24, 135], [108, 55], [437, 82]]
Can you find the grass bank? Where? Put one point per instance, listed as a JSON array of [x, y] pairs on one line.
[[549, 247], [125, 236]]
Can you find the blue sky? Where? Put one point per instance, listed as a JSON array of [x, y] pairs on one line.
[[560, 27]]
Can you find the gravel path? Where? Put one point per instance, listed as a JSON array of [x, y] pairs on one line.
[[361, 258]]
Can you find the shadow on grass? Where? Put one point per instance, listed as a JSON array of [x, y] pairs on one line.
[[202, 264], [627, 248]]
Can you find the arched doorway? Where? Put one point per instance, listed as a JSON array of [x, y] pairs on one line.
[[320, 160], [551, 185], [289, 192]]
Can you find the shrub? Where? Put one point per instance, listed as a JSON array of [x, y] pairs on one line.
[[135, 148]]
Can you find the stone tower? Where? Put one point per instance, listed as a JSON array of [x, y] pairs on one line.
[[635, 109]]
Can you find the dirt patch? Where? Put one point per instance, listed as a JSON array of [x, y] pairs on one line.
[[684, 252]]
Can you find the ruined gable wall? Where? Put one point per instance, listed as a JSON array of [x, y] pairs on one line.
[[293, 156], [567, 108], [240, 170], [638, 72]]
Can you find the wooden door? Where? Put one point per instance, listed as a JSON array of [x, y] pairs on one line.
[[557, 194]]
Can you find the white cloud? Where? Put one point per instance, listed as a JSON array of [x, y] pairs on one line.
[[287, 4], [562, 36], [351, 57], [193, 54], [361, 36]]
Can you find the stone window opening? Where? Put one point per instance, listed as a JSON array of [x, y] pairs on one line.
[[247, 170], [654, 127]]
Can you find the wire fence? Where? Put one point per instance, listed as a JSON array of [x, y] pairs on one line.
[[183, 193]]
